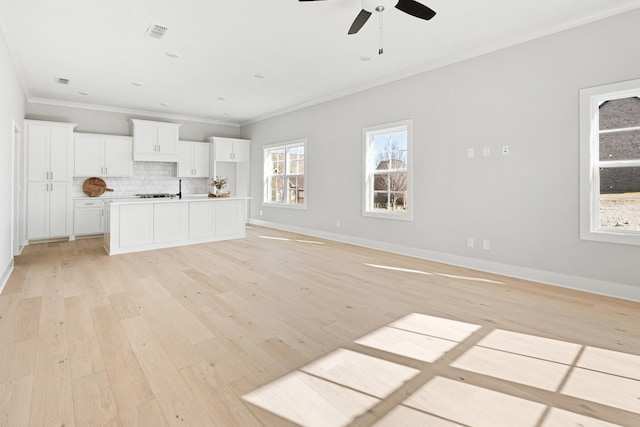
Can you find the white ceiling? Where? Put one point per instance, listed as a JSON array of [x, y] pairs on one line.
[[301, 48]]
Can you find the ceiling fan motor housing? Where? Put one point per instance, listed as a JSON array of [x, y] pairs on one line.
[[374, 5]]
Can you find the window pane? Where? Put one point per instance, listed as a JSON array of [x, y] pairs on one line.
[[381, 143], [620, 213], [399, 201], [276, 189], [398, 182], [295, 192], [619, 180], [398, 160], [380, 200], [620, 145], [399, 140], [620, 113], [381, 182]]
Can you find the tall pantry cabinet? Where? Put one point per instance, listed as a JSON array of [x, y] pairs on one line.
[[49, 174]]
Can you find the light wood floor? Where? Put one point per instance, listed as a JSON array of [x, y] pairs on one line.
[[282, 330]]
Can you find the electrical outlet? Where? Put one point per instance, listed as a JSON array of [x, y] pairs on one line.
[[505, 150], [486, 245], [338, 223], [470, 152], [260, 212], [486, 151], [470, 242]]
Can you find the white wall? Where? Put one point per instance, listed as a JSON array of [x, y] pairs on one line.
[[12, 105], [526, 204]]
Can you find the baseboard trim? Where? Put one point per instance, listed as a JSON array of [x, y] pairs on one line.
[[594, 286], [5, 275]]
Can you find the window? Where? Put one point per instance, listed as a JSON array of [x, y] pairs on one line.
[[387, 169], [610, 163], [284, 174]]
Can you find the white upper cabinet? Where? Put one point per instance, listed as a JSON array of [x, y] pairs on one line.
[[155, 141], [230, 149], [49, 150], [193, 159], [102, 155]]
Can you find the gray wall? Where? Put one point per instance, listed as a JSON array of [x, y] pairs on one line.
[[12, 105], [111, 123], [525, 203]]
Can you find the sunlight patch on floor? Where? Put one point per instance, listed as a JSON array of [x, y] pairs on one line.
[[284, 239], [358, 371], [532, 346], [408, 344], [436, 326], [335, 390], [561, 418], [426, 273], [311, 401], [474, 406], [610, 390], [513, 367]]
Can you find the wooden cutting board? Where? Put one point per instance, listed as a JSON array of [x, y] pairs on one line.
[[94, 187]]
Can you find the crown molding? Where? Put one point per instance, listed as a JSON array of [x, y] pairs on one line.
[[96, 107]]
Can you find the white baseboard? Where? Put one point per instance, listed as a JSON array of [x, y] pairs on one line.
[[5, 275], [594, 286]]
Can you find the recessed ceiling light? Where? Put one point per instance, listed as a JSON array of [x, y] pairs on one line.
[[62, 81], [258, 76], [174, 55], [83, 93], [222, 98], [164, 104], [364, 58], [136, 84]]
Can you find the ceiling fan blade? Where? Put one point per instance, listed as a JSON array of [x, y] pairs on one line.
[[416, 9], [360, 20]]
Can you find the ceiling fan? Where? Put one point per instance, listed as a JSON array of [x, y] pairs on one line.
[[411, 7]]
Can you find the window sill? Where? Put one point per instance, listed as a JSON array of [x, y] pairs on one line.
[[625, 238], [302, 206], [408, 216]]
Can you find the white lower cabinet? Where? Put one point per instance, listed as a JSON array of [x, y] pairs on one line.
[[170, 222], [135, 225], [201, 220], [49, 210], [229, 218], [88, 217]]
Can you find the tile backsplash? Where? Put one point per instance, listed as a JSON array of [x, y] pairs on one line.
[[148, 177]]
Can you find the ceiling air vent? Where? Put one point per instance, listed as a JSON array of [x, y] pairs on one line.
[[62, 81], [156, 31]]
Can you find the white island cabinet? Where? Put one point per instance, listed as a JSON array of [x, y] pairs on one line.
[[146, 224]]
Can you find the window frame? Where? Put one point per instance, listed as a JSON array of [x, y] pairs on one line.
[[267, 175], [590, 101], [367, 173]]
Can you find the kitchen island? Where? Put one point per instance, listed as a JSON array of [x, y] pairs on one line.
[[146, 224]]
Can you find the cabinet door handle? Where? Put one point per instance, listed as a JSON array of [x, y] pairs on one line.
[[106, 170], [51, 175]]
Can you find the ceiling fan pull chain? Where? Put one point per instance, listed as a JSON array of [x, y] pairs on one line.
[[380, 49]]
